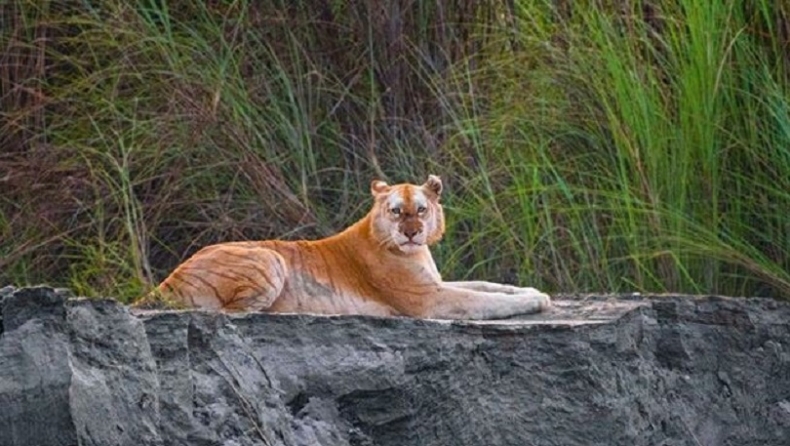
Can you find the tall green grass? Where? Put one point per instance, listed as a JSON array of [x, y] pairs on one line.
[[654, 176], [586, 146]]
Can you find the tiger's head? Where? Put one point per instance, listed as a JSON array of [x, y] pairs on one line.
[[407, 217]]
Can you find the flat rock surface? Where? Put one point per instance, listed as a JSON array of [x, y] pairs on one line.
[[620, 370], [578, 310]]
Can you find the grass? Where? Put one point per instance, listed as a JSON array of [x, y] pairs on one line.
[[586, 146]]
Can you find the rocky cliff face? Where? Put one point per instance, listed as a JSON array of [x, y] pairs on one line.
[[647, 371]]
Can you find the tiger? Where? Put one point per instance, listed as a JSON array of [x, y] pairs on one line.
[[379, 266]]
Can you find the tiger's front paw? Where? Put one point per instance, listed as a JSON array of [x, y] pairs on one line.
[[544, 301]]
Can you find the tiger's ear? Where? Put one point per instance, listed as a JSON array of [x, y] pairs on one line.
[[378, 187], [434, 184]]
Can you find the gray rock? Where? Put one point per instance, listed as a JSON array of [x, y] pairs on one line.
[[595, 370]]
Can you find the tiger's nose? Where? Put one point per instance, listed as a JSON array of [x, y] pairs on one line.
[[410, 233]]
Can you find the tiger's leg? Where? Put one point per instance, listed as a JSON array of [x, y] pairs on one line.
[[232, 277], [491, 287], [458, 303]]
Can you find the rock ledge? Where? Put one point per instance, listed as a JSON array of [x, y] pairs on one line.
[[637, 370]]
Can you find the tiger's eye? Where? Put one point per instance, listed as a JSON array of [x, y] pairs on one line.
[[395, 211], [421, 210]]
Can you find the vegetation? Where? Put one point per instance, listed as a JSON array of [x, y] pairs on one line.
[[597, 145]]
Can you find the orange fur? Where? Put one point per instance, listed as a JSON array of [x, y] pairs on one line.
[[381, 265]]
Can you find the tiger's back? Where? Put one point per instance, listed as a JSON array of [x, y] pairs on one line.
[[321, 277]]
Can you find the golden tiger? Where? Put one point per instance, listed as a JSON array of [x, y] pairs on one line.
[[379, 266]]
